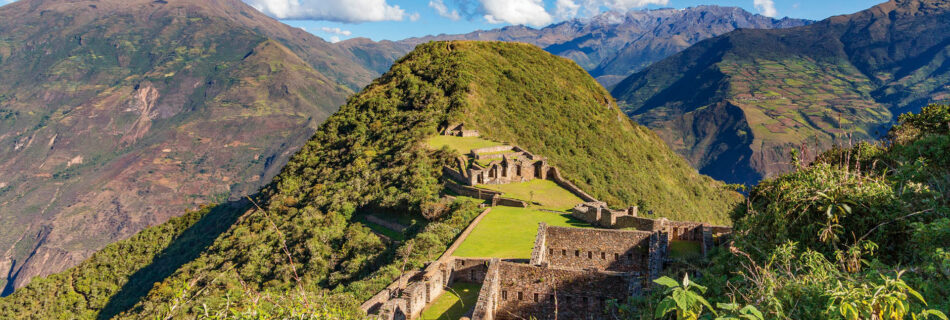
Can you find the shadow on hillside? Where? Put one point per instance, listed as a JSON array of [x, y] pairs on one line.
[[185, 248]]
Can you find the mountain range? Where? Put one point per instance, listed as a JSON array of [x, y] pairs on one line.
[[611, 45], [736, 105], [118, 115]]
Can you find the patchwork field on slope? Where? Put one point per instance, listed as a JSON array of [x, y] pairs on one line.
[[736, 105]]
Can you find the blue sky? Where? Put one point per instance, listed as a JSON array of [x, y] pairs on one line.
[[399, 19], [419, 18]]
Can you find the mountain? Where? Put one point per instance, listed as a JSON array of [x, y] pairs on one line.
[[613, 45], [117, 115], [735, 105], [301, 246]]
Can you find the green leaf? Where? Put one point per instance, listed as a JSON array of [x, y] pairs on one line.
[[752, 310], [935, 313], [727, 306], [667, 281], [663, 308], [916, 295]]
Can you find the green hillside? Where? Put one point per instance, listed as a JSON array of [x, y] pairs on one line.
[[306, 250], [736, 104]]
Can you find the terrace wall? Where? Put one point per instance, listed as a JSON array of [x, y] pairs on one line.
[[554, 174]]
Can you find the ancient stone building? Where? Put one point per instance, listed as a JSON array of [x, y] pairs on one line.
[[523, 291], [596, 249], [599, 214]]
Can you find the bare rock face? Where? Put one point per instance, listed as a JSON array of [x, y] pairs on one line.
[[118, 115]]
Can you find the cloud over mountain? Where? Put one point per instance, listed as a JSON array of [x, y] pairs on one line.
[[331, 10]]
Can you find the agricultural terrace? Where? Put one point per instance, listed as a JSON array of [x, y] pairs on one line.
[[508, 232], [545, 192], [463, 145]]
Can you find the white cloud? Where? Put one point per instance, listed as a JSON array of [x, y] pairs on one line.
[[567, 9], [334, 39], [527, 12], [330, 10], [765, 7], [414, 16], [337, 31], [444, 11], [625, 5]]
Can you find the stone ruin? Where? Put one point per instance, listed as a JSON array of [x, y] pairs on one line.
[[572, 274], [459, 130], [597, 213]]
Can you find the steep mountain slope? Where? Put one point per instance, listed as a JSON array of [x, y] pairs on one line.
[[735, 105], [307, 249], [614, 45], [117, 115]]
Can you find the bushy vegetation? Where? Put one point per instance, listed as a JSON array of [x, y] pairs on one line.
[[862, 233]]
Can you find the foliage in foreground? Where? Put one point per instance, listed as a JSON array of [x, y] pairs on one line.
[[862, 233]]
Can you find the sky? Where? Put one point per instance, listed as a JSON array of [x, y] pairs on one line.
[[336, 20]]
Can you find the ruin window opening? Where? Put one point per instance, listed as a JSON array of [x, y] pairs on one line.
[[551, 251], [504, 295], [535, 297], [564, 252], [520, 296], [616, 256], [577, 253], [603, 256], [590, 255], [551, 297], [630, 257]]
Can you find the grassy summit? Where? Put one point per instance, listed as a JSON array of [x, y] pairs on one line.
[[307, 248]]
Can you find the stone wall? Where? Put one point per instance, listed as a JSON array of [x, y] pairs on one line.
[[526, 291], [554, 174], [598, 249], [486, 304], [509, 202], [491, 149], [469, 270], [467, 191], [659, 249]]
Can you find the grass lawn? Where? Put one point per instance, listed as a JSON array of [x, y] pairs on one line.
[[452, 304], [508, 232], [460, 144], [685, 249], [546, 192]]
